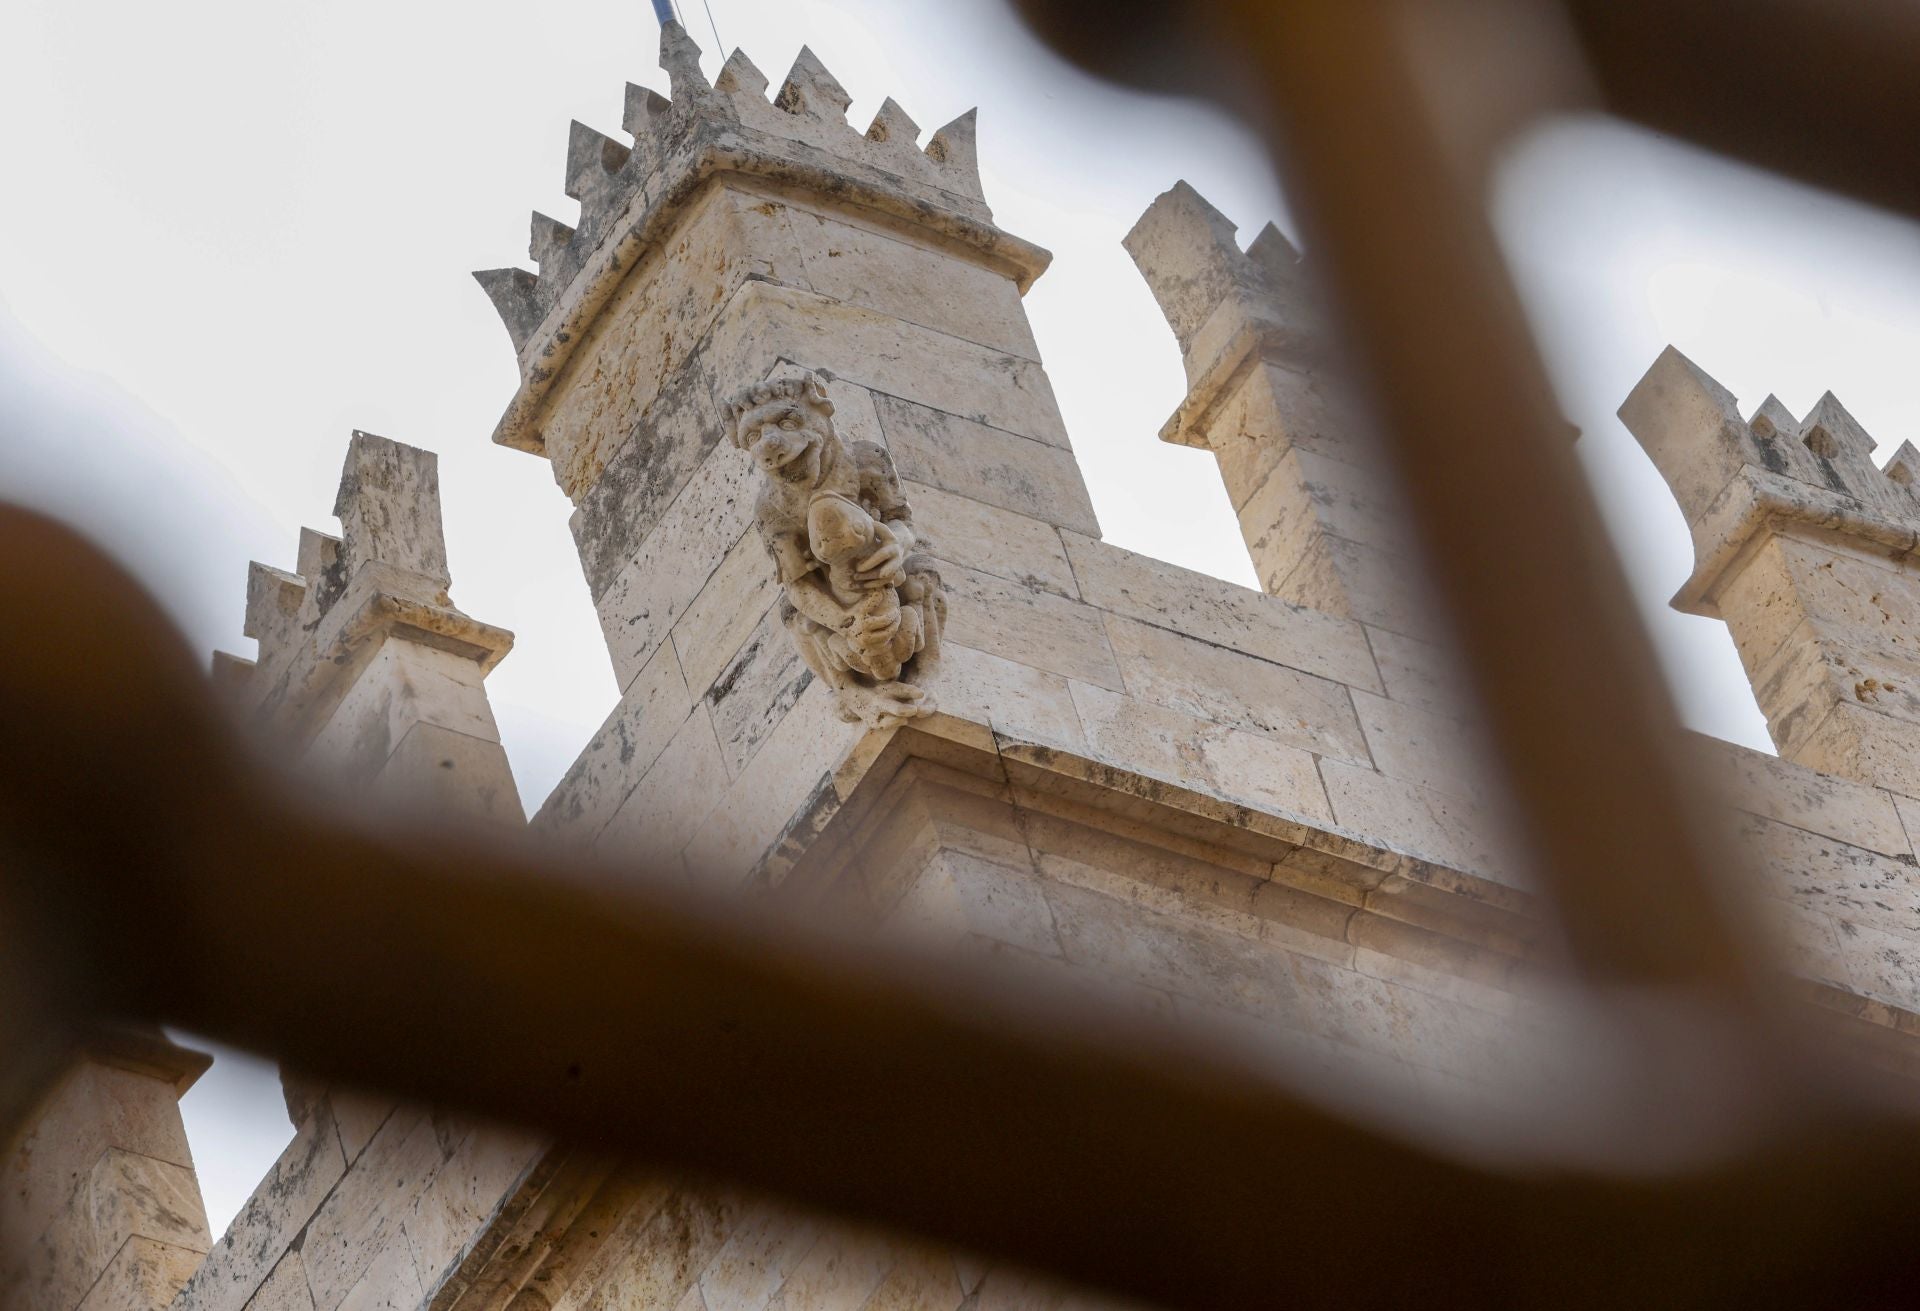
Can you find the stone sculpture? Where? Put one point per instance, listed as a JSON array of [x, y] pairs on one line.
[[864, 610]]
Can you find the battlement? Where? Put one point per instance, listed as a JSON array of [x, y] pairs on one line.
[[1226, 306], [630, 194], [385, 574], [1733, 475]]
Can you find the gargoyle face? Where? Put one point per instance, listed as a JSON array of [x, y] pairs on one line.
[[785, 439]]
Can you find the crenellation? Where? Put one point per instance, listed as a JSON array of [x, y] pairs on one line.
[[1806, 548]]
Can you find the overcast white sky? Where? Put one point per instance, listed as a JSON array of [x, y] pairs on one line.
[[241, 228]]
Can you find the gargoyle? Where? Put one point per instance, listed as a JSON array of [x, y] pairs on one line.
[[864, 610]]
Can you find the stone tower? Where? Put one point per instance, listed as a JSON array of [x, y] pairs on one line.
[[781, 371]]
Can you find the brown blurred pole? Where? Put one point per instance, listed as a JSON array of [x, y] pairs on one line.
[[1558, 655], [1827, 91]]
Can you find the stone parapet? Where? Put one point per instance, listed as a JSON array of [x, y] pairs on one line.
[[1317, 502]]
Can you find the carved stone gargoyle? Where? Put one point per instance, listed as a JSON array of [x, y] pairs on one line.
[[864, 610]]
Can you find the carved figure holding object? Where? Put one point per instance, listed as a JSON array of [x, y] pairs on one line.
[[864, 610]]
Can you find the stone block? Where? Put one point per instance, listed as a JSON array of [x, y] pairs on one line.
[[652, 708], [720, 620], [987, 464], [1249, 768], [958, 894], [123, 1196], [1858, 743], [1168, 596], [1358, 581], [790, 773], [284, 1290], [840, 1270], [765, 324], [654, 588], [437, 771], [859, 263], [1242, 691], [1437, 826], [279, 1209], [669, 1253], [1168, 954], [767, 1244], [1032, 626], [390, 1282], [1010, 698], [357, 1117], [1423, 674], [922, 1279], [361, 1220], [389, 509], [673, 437], [467, 1191], [144, 1275], [404, 684], [1779, 789], [756, 690], [1004, 543], [1434, 751], [1880, 965], [1829, 877], [668, 803]]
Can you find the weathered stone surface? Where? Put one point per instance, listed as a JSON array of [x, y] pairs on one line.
[[719, 621], [652, 708], [786, 777], [767, 1244], [857, 262], [143, 1276], [987, 464], [360, 1221], [663, 811], [1242, 691], [993, 540], [958, 894], [452, 1211], [755, 691], [1804, 798], [1403, 816], [765, 323], [1034, 627], [842, 1269], [1437, 752], [405, 684], [1015, 699], [1247, 767], [1168, 596], [663, 310], [279, 1209], [437, 771], [651, 591], [389, 509], [285, 1289]]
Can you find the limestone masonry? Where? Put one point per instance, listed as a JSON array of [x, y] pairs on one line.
[[874, 656]]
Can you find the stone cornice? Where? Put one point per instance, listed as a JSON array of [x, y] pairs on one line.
[[1757, 502]]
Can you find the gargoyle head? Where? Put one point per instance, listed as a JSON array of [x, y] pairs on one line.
[[786, 425]]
